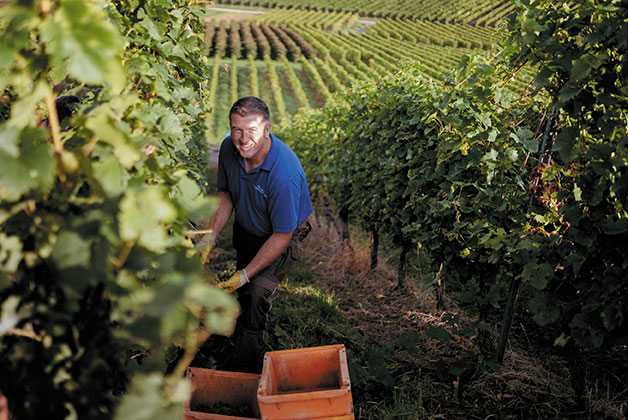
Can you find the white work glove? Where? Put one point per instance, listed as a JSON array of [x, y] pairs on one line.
[[239, 279]]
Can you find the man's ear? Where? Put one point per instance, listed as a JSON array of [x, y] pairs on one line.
[[267, 130]]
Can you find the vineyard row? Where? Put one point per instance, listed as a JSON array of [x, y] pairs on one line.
[[303, 65], [480, 12]]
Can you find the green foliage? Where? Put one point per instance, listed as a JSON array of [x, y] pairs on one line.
[[96, 274], [445, 167], [424, 164], [582, 55]]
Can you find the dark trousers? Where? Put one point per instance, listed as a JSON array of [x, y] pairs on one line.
[[256, 297]]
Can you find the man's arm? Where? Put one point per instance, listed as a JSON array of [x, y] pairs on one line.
[[217, 223], [272, 248], [221, 217]]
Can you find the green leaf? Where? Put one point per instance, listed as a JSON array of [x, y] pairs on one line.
[[170, 125], [408, 340], [565, 144], [220, 309], [577, 193], [11, 313], [580, 70], [614, 226], [15, 34], [439, 333], [612, 317], [168, 293], [543, 311], [538, 275], [568, 91], [90, 43], [183, 93], [526, 138], [561, 340], [584, 334], [111, 175], [23, 110], [199, 206], [153, 396], [34, 170], [9, 136], [513, 154], [71, 250], [143, 218], [492, 135], [123, 147], [154, 29]]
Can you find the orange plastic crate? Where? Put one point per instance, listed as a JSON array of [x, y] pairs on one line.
[[310, 383], [220, 388]]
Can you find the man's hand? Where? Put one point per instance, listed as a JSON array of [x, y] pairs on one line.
[[206, 244], [236, 281]]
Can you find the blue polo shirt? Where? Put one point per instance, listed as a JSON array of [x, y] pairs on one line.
[[272, 197]]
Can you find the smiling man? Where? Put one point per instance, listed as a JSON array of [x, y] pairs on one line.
[[262, 179]]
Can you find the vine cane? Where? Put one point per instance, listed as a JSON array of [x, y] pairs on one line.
[[544, 157]]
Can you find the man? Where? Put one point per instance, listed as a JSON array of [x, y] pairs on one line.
[[262, 179]]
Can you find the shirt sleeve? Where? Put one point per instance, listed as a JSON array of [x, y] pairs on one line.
[[284, 207]]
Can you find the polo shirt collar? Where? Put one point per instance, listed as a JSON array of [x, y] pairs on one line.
[[271, 157]]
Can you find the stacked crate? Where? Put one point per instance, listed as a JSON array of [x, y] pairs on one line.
[[301, 384]]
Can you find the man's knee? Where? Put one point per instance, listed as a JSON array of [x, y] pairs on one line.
[[255, 303]]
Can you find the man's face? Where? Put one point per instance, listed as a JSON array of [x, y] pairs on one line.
[[250, 135]]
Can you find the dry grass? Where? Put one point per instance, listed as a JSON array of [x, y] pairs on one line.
[[529, 384]]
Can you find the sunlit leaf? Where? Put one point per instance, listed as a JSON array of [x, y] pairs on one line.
[[143, 218], [10, 252], [152, 396]]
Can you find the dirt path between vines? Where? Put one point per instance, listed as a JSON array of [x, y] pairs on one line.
[[526, 385]]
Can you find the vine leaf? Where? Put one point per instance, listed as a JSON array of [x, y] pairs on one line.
[[71, 250], [34, 169], [111, 175], [439, 333], [89, 43], [538, 275], [143, 215], [153, 396]]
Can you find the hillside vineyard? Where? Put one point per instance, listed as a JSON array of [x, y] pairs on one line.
[[298, 57]]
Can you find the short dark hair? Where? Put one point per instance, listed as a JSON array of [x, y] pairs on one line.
[[250, 105]]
